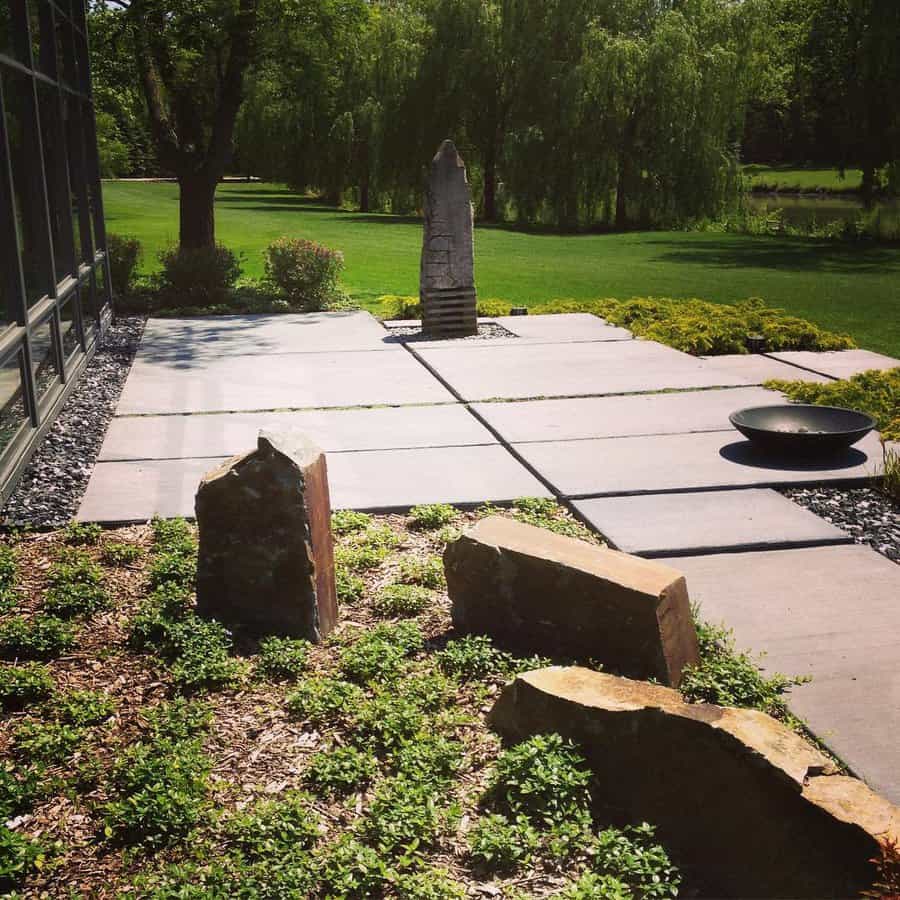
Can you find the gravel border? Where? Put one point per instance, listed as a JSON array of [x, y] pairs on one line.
[[411, 334], [51, 488], [867, 514]]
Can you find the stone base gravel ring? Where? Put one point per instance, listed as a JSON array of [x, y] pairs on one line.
[[802, 430]]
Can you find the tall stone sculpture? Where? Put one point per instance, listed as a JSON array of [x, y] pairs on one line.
[[447, 281]]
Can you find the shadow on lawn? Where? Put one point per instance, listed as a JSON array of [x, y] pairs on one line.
[[791, 254]]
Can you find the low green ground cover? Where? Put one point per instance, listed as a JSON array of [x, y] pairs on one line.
[[845, 288], [802, 179], [195, 764]]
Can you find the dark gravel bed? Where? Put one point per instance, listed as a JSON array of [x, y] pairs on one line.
[[867, 514], [52, 486], [410, 334]]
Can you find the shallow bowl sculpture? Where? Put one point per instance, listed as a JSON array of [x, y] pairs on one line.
[[799, 430]]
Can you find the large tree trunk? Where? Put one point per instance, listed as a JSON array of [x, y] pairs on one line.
[[197, 228], [868, 184], [622, 192], [490, 185]]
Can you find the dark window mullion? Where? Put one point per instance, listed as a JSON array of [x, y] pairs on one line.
[[17, 304]]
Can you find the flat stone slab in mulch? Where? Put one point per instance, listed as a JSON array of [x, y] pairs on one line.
[[224, 383], [707, 522], [757, 369], [136, 491], [837, 363], [598, 417], [207, 337], [520, 371], [672, 462], [829, 612], [227, 434]]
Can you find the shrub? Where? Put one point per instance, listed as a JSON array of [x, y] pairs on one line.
[[431, 758], [43, 637], [592, 886], [431, 516], [76, 586], [20, 786], [197, 277], [81, 708], [124, 252], [346, 521], [402, 600], [199, 654], [876, 393], [273, 828], [82, 534], [349, 588], [178, 566], [474, 657], [498, 845], [360, 558], [178, 720], [121, 554], [19, 856], [158, 790], [390, 306], [351, 870], [305, 272], [282, 658], [730, 678], [324, 701], [427, 572], [430, 884], [387, 721], [632, 856], [341, 770], [378, 654], [891, 482], [50, 743], [173, 534], [23, 685]]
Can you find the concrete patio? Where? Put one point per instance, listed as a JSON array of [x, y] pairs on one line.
[[633, 434]]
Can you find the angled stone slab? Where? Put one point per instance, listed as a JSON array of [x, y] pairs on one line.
[[278, 381], [838, 363], [680, 462], [757, 369], [707, 522], [135, 491], [521, 371], [829, 612], [597, 417], [560, 328], [226, 434], [204, 338]]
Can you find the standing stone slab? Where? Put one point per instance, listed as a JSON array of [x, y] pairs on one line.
[[447, 279], [741, 798], [542, 592], [266, 559]]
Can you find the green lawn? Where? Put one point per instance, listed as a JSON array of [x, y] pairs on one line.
[[797, 178], [844, 287]]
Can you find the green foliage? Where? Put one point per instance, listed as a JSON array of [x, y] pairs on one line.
[[346, 521], [429, 757], [474, 657], [198, 651], [42, 637], [8, 572], [82, 534], [545, 513], [124, 252], [81, 708], [876, 393], [430, 884], [349, 588], [21, 685], [498, 845], [390, 306], [169, 603], [632, 856], [197, 277], [173, 534], [274, 828], [324, 701], [304, 272], [49, 743], [427, 572], [75, 586], [545, 779], [120, 554], [378, 654], [19, 856], [728, 677], [431, 516], [591, 886], [891, 482], [178, 720], [402, 600], [20, 786], [178, 566], [360, 557], [387, 721], [341, 770], [350, 869], [158, 786], [282, 658]]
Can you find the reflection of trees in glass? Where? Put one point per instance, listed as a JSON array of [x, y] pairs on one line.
[[12, 401]]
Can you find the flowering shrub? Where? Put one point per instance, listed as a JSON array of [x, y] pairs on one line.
[[305, 272]]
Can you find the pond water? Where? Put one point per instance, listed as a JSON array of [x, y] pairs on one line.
[[803, 210]]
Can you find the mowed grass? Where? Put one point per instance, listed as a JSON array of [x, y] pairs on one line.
[[794, 178], [844, 287]]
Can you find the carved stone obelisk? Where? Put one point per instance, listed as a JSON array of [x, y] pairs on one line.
[[447, 281]]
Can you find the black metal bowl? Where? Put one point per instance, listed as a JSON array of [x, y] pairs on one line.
[[801, 430]]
